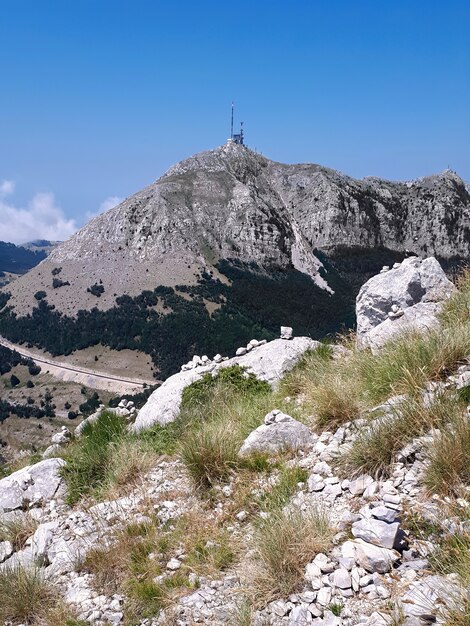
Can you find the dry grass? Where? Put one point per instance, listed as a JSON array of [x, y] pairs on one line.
[[134, 563], [448, 472], [456, 310], [452, 556], [129, 461], [219, 413], [26, 597], [285, 542], [377, 444], [210, 453], [17, 530], [328, 387]]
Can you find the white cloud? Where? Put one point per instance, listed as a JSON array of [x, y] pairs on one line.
[[109, 203], [7, 187], [41, 219]]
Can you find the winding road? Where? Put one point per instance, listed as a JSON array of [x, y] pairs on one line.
[[84, 376]]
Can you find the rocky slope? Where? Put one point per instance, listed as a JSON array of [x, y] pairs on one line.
[[238, 231], [378, 568]]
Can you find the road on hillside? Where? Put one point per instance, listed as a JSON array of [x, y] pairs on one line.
[[93, 376]]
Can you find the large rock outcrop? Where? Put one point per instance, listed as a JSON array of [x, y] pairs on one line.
[[269, 362], [407, 297], [31, 486]]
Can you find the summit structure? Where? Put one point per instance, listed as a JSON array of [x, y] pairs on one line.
[[236, 138]]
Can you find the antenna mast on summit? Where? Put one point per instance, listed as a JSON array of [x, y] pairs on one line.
[[231, 126], [237, 137]]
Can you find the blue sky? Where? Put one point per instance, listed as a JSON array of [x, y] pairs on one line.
[[100, 97]]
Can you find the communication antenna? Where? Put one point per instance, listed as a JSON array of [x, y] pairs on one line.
[[231, 126]]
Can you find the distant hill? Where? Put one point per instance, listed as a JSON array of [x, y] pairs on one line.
[[20, 259], [41, 245], [228, 246]]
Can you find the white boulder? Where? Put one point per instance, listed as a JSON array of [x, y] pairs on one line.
[[374, 558], [414, 281], [31, 486], [285, 433], [269, 362], [376, 531]]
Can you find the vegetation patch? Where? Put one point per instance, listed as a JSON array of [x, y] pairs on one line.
[[219, 413], [27, 597], [134, 563], [285, 542]]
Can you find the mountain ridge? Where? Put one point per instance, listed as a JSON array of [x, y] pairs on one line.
[[223, 237]]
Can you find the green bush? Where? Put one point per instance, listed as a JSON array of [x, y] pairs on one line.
[[88, 457], [234, 379]]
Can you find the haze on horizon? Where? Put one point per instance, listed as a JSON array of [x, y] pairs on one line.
[[100, 98]]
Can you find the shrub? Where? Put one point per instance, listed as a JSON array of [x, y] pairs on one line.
[[14, 380], [96, 290], [87, 459], [90, 405], [34, 369], [285, 542], [377, 444], [40, 295], [25, 596], [448, 469]]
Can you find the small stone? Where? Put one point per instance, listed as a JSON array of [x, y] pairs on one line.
[[312, 571], [173, 564], [391, 498], [241, 516], [342, 578], [376, 532], [333, 491], [382, 592], [374, 558], [384, 514], [324, 596], [6, 550], [279, 608], [286, 332], [358, 485], [315, 483], [240, 351]]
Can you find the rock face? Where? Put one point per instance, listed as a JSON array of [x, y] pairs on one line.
[[279, 432], [232, 203], [269, 362], [403, 298], [31, 486], [228, 235]]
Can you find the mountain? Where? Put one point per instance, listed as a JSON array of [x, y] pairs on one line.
[[19, 259], [228, 245]]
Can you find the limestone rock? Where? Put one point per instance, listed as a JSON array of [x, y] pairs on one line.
[[31, 486], [286, 434], [421, 317], [6, 550], [373, 558], [413, 281], [269, 362], [376, 532]]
